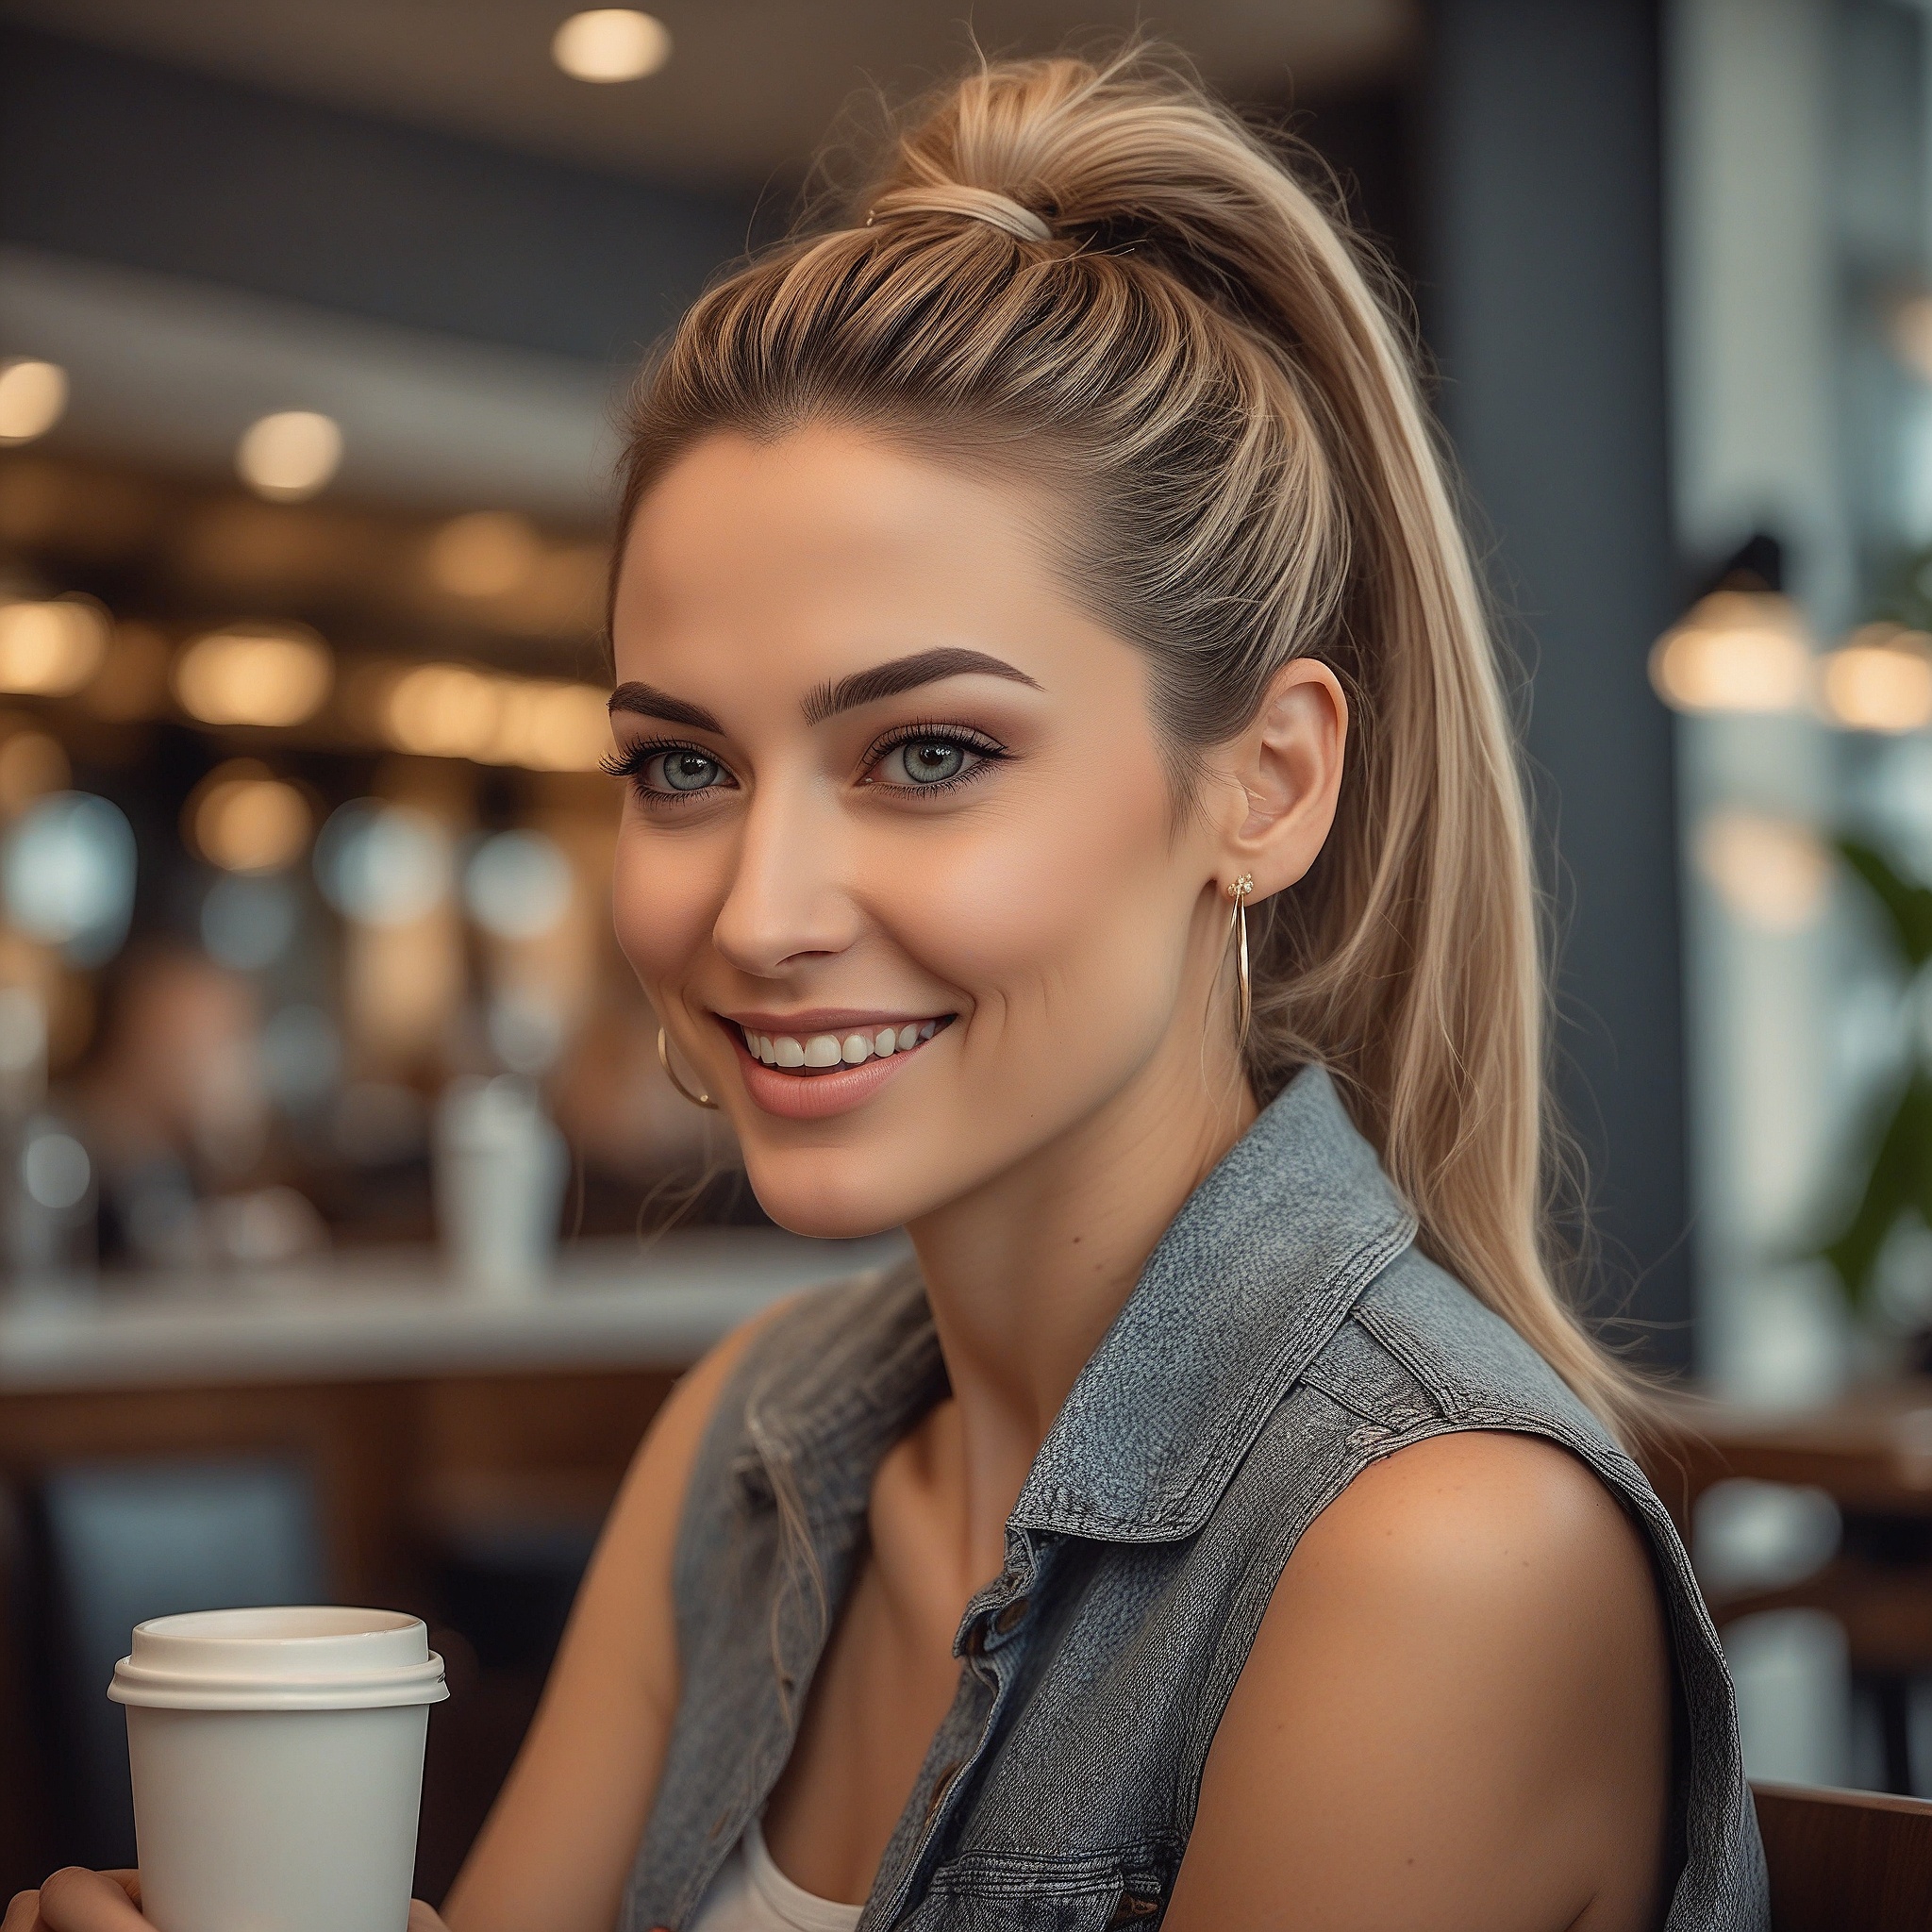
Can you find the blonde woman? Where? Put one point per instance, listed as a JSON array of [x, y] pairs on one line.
[[1070, 812]]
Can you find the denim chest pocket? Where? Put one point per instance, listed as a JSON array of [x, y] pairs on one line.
[[988, 1893]]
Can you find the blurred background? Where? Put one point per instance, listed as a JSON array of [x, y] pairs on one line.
[[336, 1165]]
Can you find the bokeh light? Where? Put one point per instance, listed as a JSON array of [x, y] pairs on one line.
[[33, 397], [254, 674], [1880, 679], [51, 646], [31, 765], [1735, 651], [384, 865], [444, 710], [67, 875], [487, 554], [517, 884], [1772, 873], [453, 711], [243, 820], [612, 43], [288, 456]]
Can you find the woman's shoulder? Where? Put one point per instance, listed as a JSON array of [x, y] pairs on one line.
[[1460, 1688]]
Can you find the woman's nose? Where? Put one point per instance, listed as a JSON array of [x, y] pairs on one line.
[[787, 899]]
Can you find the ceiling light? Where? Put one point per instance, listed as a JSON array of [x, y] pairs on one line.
[[288, 456], [33, 396], [241, 820], [612, 43], [1734, 651], [48, 649], [484, 555], [1879, 680], [254, 674]]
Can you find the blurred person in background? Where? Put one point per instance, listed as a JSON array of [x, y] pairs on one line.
[[177, 1117], [1072, 813]]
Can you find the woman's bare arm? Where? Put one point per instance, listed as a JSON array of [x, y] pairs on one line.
[[558, 1842], [1455, 1717]]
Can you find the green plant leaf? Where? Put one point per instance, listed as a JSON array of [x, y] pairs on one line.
[[1908, 905], [1901, 1177]]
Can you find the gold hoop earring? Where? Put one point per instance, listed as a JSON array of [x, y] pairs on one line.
[[671, 1073], [1238, 931]]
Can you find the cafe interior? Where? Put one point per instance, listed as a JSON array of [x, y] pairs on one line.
[[351, 1227]]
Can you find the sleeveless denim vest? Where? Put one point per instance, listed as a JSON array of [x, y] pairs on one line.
[[1285, 1334]]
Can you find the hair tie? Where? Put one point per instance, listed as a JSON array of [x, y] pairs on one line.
[[986, 205]]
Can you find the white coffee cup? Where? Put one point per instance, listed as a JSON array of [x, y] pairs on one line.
[[277, 1762]]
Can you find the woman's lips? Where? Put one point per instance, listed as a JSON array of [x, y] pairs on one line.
[[810, 1093]]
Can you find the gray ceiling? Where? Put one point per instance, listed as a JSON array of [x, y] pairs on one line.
[[752, 85]]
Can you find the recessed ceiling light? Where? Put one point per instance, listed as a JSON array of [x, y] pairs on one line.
[[612, 43], [288, 456]]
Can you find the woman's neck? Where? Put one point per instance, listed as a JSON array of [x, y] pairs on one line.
[[1027, 1273]]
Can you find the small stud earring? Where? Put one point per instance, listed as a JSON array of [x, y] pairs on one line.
[[1239, 891], [671, 1073]]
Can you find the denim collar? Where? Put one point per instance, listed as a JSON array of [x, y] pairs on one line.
[[1260, 1266], [1258, 1270]]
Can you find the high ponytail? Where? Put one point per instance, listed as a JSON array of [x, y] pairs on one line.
[[1169, 311]]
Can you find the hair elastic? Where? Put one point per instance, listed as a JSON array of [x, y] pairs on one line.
[[975, 204]]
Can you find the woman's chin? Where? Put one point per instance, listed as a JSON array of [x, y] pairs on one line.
[[823, 1199]]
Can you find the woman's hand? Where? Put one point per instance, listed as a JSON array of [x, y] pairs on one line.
[[77, 1900]]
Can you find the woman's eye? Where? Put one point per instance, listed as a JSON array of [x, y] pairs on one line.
[[924, 761], [682, 771]]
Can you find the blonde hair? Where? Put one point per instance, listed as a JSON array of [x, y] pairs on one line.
[[1196, 347]]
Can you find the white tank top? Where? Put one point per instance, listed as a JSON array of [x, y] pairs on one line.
[[751, 1894]]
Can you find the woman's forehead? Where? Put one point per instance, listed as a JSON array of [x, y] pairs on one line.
[[828, 544], [825, 500]]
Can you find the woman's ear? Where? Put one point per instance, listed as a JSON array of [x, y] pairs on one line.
[[1287, 765]]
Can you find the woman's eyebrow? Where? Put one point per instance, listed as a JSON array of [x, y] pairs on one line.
[[904, 673], [647, 701]]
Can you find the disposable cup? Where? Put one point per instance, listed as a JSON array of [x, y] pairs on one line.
[[278, 1765]]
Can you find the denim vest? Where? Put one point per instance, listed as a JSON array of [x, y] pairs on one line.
[[1285, 1334]]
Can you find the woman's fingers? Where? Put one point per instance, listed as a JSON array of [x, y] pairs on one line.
[[77, 1900]]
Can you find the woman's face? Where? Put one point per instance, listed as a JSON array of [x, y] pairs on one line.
[[899, 865]]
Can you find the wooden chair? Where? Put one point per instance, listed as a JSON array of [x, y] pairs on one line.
[[1846, 1862]]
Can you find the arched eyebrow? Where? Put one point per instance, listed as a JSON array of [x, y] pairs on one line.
[[825, 701], [647, 701], [898, 675]]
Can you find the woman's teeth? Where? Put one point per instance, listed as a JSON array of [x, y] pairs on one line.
[[820, 1052]]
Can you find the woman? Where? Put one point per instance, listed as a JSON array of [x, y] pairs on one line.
[[1071, 814]]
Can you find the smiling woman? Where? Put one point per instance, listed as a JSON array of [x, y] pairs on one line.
[[1223, 1523]]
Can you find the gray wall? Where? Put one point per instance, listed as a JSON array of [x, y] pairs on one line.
[[130, 162], [1544, 297]]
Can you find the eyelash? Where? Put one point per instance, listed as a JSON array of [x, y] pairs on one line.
[[630, 762], [988, 750]]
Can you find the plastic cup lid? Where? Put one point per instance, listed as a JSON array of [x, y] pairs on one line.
[[307, 1658]]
